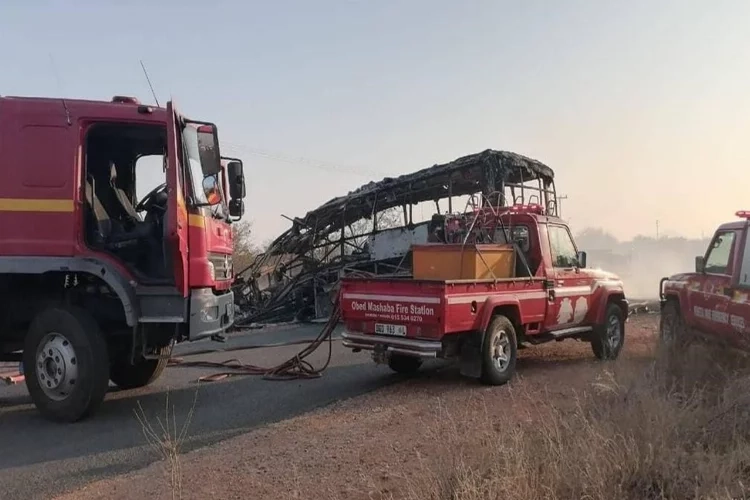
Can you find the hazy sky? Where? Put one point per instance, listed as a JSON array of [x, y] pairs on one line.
[[641, 108]]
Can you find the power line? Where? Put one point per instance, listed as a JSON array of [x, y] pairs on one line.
[[320, 164]]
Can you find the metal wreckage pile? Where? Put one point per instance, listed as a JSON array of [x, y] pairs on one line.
[[372, 229]]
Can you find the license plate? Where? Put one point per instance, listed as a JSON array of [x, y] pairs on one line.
[[383, 329]]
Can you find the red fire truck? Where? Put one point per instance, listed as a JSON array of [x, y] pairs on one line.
[[99, 281], [545, 293]]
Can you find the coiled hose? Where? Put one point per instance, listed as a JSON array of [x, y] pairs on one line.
[[294, 368]]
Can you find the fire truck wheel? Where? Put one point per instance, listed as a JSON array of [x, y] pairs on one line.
[[66, 364], [145, 371], [404, 364], [499, 351], [609, 337]]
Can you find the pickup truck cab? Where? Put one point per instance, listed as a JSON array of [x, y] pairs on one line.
[[551, 295], [714, 300]]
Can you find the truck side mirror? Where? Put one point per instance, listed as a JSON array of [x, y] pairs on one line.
[[211, 190], [237, 208], [700, 264], [236, 180], [581, 260], [208, 149]]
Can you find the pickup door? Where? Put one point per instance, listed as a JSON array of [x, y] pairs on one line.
[[711, 299], [571, 297], [739, 305]]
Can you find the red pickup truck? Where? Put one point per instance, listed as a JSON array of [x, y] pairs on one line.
[[551, 296], [714, 301]]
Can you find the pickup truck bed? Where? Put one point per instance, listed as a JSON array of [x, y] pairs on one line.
[[414, 316], [482, 322]]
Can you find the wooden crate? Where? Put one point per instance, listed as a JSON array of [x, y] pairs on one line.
[[444, 262]]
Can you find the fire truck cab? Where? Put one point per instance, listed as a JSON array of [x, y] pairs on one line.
[[98, 279]]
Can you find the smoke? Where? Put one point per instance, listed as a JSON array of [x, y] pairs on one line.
[[642, 261], [649, 266]]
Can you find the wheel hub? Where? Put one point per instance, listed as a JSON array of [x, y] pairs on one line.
[[56, 366], [501, 349], [613, 331]]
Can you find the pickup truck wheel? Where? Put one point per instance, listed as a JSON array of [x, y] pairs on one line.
[[66, 363], [609, 337], [499, 351], [404, 364], [145, 371], [672, 331]]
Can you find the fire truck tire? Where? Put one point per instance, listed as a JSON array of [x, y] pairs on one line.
[[609, 337], [144, 372], [66, 364], [400, 363], [499, 350]]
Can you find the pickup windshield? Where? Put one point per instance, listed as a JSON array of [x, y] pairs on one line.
[[197, 172]]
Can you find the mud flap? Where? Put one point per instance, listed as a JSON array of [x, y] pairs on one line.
[[471, 355], [380, 354]]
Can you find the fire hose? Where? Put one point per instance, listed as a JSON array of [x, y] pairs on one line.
[[296, 367]]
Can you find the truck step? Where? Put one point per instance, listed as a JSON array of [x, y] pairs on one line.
[[156, 290], [12, 378], [161, 305], [566, 332]]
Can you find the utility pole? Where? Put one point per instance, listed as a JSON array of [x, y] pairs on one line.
[[657, 229]]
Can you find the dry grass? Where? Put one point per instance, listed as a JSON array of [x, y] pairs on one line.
[[166, 439], [644, 427], [676, 428]]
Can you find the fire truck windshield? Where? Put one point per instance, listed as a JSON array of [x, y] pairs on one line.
[[197, 171]]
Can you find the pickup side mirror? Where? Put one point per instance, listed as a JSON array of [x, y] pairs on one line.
[[236, 180], [700, 264], [237, 208], [581, 260]]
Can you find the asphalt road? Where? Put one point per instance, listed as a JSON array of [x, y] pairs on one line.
[[40, 459]]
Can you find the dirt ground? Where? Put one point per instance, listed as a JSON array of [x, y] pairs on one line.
[[370, 446]]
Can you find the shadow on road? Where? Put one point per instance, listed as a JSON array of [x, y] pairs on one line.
[[222, 409]]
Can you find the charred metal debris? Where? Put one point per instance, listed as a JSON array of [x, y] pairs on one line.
[[372, 229]]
